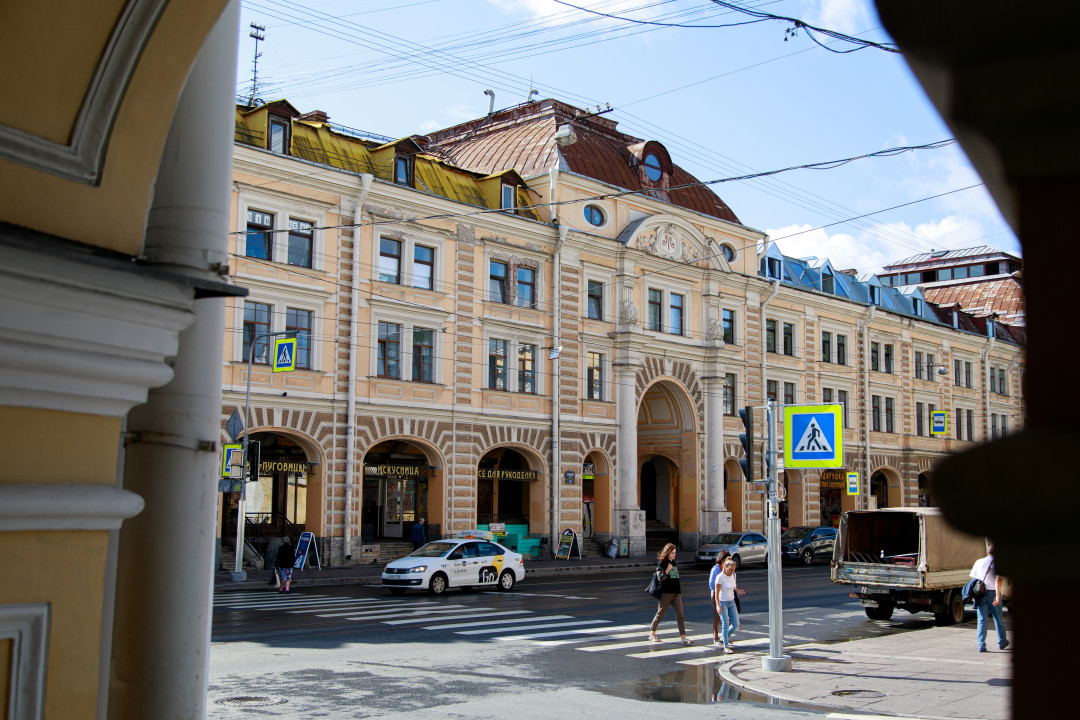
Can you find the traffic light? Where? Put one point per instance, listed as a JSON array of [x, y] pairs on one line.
[[747, 440]]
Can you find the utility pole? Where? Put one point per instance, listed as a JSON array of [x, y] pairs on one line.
[[776, 661], [256, 33]]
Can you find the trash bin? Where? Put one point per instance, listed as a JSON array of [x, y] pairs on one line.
[[624, 547], [613, 548]]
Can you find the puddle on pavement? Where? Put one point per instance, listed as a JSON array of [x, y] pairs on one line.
[[700, 684]]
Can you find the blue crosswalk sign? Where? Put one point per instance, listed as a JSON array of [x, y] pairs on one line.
[[284, 354], [813, 436]]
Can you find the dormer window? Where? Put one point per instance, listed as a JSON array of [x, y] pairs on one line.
[[403, 168], [772, 268], [653, 169], [916, 306], [279, 136], [875, 294], [828, 282], [509, 197]]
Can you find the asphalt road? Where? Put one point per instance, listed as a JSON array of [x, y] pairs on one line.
[[358, 652]]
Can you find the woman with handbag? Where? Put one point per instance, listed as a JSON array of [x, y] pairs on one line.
[[667, 574], [727, 593], [988, 603]]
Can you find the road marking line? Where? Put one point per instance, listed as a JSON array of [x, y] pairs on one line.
[[674, 651], [644, 643], [362, 607], [286, 602], [465, 615], [389, 611], [495, 622], [568, 641], [546, 595], [556, 633], [526, 627]]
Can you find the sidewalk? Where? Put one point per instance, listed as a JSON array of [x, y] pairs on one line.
[[932, 673], [372, 574]]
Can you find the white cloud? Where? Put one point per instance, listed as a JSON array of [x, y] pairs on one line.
[[845, 16], [448, 117], [844, 250]]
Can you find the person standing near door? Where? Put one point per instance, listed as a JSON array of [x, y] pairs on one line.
[[286, 556], [419, 535]]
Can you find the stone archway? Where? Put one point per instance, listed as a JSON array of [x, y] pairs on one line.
[[597, 494], [667, 428], [885, 488], [402, 481], [511, 489], [734, 485]]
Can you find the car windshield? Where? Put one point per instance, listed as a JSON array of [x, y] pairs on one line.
[[434, 549], [726, 539], [795, 533]]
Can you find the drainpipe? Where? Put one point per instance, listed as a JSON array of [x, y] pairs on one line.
[[556, 330], [350, 411], [553, 208], [864, 327], [763, 353], [986, 373]]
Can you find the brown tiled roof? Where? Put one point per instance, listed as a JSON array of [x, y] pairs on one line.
[[1001, 295], [523, 138]]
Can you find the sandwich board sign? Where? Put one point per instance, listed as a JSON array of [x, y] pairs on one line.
[[303, 545], [284, 354], [813, 436], [939, 422]]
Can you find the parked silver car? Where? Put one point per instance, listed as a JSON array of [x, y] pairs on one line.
[[745, 547]]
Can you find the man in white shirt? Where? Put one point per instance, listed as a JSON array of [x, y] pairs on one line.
[[989, 605]]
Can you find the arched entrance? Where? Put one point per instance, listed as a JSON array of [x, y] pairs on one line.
[[925, 498], [792, 510], [596, 507], [402, 483], [668, 465], [884, 490], [509, 490], [733, 493]]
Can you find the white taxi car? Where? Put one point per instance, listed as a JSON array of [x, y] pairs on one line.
[[472, 559]]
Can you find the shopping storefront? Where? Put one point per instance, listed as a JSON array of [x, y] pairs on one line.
[[507, 491], [396, 491], [832, 485]]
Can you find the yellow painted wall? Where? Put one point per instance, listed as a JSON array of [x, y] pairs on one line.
[[67, 570], [6, 648], [50, 446]]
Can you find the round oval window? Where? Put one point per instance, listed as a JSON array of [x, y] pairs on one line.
[[653, 171], [728, 251], [594, 215]]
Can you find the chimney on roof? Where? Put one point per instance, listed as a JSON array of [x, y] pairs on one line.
[[315, 116]]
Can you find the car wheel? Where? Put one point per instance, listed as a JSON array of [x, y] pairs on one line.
[[397, 591], [807, 556], [954, 610], [438, 584], [738, 560], [506, 581], [882, 612]]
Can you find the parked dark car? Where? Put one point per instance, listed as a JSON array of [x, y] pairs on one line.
[[807, 543]]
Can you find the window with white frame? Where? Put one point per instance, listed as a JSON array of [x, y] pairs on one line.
[[875, 413], [789, 393], [282, 230], [257, 325], [789, 339], [526, 287], [389, 351], [526, 370], [261, 315], [888, 358], [279, 136], [595, 300], [423, 355], [407, 344], [594, 376], [301, 243], [889, 414], [497, 349], [513, 282], [841, 349], [730, 386], [423, 269], [656, 310], [298, 321], [670, 304], [826, 346], [727, 323], [677, 314], [259, 237], [842, 400], [770, 336], [390, 261], [503, 372], [875, 356], [772, 390]]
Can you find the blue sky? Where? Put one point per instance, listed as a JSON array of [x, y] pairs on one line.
[[724, 101]]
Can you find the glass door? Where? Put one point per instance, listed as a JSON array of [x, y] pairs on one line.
[[392, 507]]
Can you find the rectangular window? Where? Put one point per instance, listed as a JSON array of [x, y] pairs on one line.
[[676, 307], [841, 349], [301, 241], [403, 170], [595, 300], [888, 358], [773, 268], [875, 356], [509, 196], [656, 309], [279, 136], [526, 287], [1002, 388], [971, 424], [594, 376], [828, 283], [423, 355], [967, 375], [919, 418], [497, 282], [930, 366], [1004, 425], [875, 294], [889, 427], [299, 322], [918, 365], [993, 380], [423, 273], [875, 413], [789, 339], [956, 378], [256, 323], [789, 393], [959, 424], [770, 336], [389, 351], [526, 368], [826, 347], [771, 390], [993, 426], [259, 240], [390, 261], [826, 396], [729, 394], [727, 322], [841, 397], [497, 364]]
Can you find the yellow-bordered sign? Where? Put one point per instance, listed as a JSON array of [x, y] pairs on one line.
[[852, 483], [813, 436], [284, 354], [939, 422], [232, 462]]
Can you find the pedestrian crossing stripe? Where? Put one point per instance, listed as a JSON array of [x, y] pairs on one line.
[[284, 354], [813, 436]]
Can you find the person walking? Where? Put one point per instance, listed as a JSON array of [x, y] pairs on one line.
[[671, 593], [989, 605], [726, 592], [419, 535], [286, 556], [717, 568]]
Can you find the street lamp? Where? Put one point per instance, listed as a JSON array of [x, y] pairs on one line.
[[239, 575]]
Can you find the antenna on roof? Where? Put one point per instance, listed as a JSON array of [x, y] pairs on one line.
[[532, 91], [257, 33]]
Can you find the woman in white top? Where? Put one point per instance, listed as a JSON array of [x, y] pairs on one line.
[[726, 589]]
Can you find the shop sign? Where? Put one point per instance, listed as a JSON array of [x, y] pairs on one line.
[[397, 470], [494, 474], [271, 466], [833, 479]]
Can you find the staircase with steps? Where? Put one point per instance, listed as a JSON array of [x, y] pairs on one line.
[[657, 534], [592, 548]]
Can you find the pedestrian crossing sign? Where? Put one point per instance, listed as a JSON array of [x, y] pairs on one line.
[[284, 354], [813, 436], [232, 463]]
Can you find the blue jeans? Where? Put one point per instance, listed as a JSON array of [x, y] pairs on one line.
[[729, 619], [984, 610]]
